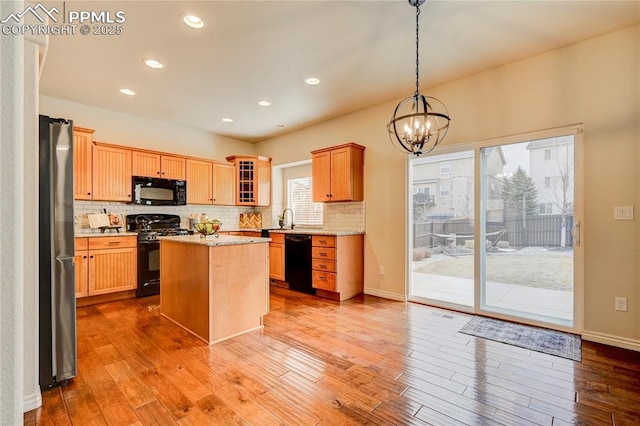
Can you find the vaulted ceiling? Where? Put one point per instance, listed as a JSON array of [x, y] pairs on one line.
[[363, 52]]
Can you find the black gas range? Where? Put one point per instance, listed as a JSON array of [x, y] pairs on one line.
[[149, 227]]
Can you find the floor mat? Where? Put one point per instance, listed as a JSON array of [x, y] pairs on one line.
[[543, 340]]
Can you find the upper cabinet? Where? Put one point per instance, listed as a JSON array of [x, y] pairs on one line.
[[210, 182], [253, 180], [150, 164], [224, 184], [338, 173], [111, 173], [82, 154], [199, 182]]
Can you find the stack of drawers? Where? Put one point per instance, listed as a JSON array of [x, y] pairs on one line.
[[323, 267], [337, 265]]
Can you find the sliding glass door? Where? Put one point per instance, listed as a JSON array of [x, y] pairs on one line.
[[492, 229], [442, 249], [526, 261]]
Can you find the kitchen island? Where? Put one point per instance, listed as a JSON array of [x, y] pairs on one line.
[[215, 288]]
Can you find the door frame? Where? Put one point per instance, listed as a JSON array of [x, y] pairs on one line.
[[576, 130]]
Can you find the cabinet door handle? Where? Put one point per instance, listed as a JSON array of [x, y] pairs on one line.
[[84, 257], [88, 193], [111, 243], [91, 257]]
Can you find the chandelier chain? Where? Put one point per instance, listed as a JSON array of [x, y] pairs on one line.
[[417, 48]]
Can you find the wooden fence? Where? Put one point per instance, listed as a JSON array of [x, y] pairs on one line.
[[540, 230]]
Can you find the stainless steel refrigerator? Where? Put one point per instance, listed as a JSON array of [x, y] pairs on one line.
[[57, 299]]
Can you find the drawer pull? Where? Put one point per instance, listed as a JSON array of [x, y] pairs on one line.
[[111, 243], [323, 266], [323, 278], [323, 254], [323, 241]]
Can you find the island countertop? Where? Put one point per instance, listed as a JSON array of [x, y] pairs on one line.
[[211, 241]]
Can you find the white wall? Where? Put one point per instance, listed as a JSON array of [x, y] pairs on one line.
[[595, 82]]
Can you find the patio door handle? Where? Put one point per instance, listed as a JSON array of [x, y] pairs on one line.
[[575, 233]]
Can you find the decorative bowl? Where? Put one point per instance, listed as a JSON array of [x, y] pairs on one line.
[[208, 228]]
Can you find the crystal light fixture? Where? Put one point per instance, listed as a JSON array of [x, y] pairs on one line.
[[419, 122]]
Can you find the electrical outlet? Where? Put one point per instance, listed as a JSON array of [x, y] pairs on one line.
[[621, 304], [381, 270]]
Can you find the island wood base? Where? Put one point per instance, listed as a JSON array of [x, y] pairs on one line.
[[214, 292]]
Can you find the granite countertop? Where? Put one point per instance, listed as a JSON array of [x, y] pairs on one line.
[[312, 231], [91, 234], [222, 240]]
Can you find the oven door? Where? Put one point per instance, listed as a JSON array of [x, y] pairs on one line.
[[148, 268]]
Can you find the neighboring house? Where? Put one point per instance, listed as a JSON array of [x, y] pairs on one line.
[[443, 186], [551, 169]]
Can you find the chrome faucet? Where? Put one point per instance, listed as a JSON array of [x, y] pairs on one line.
[[284, 217]]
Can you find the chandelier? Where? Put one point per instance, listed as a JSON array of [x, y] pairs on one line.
[[419, 122]]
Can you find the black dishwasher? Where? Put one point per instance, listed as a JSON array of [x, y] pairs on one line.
[[297, 262]]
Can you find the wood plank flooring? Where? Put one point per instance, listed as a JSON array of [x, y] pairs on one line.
[[317, 362]]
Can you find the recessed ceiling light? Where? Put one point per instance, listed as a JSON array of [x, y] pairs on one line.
[[312, 81], [127, 92], [281, 125], [264, 103], [227, 119], [152, 63], [192, 20]]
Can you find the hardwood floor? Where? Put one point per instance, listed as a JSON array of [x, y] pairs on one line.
[[365, 361]]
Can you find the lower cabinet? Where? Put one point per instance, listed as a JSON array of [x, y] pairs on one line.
[[105, 265], [276, 257], [337, 265]]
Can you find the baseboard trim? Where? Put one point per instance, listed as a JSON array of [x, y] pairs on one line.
[[607, 339], [385, 294], [31, 402]]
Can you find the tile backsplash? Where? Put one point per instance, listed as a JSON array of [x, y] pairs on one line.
[[229, 215], [346, 216]]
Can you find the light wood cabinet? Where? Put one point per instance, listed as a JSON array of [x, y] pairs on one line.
[[210, 182], [82, 267], [105, 265], [111, 173], [199, 182], [242, 233], [337, 265], [253, 180], [224, 184], [151, 164], [82, 162], [338, 173], [276, 256]]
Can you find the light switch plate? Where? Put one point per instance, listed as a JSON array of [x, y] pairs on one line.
[[623, 213]]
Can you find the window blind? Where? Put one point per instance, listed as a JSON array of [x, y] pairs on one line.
[[300, 201]]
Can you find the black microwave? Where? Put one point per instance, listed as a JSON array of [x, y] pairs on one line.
[[159, 192]]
